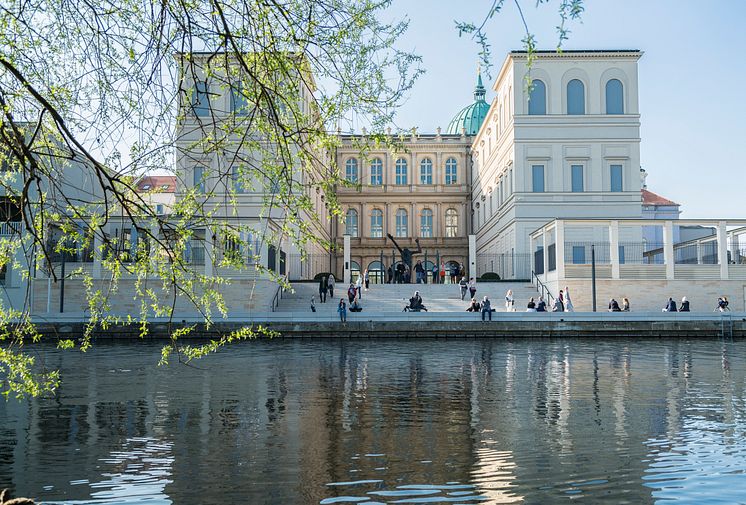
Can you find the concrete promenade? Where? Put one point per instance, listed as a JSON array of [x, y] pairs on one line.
[[435, 324]]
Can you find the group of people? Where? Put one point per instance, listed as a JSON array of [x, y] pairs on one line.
[[615, 307], [485, 307], [402, 273], [561, 303]]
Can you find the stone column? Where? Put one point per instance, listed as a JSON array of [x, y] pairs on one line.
[[722, 238], [346, 276], [545, 256], [472, 257], [559, 229], [668, 257], [614, 248]]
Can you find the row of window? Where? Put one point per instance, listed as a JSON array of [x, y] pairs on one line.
[[577, 178], [352, 173], [402, 223], [575, 94]]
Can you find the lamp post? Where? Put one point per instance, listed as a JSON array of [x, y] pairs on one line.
[[593, 275]]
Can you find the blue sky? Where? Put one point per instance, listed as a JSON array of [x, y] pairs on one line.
[[692, 79]]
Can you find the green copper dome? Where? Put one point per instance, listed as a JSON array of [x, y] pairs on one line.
[[472, 116]]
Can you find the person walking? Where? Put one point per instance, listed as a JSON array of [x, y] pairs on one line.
[[463, 286], [472, 287], [509, 301], [342, 309], [366, 279], [322, 289], [313, 304], [330, 284], [684, 305], [461, 271], [359, 287], [568, 302], [486, 308]]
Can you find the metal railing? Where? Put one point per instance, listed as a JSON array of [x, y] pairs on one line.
[[541, 287], [278, 294]]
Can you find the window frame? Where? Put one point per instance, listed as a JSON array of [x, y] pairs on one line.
[[402, 223], [426, 223], [542, 111], [376, 165], [451, 221], [401, 171], [426, 171], [619, 102], [451, 178], [572, 106], [198, 108], [573, 179], [352, 170], [351, 222], [534, 179], [376, 229], [612, 178]]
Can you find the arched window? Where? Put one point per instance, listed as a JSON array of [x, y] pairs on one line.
[[401, 171], [376, 172], [451, 171], [614, 97], [355, 271], [426, 171], [351, 170], [401, 223], [376, 223], [351, 223], [575, 97], [537, 101], [451, 223], [426, 223], [376, 272]]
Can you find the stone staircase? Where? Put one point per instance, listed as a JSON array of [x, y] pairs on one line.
[[393, 297]]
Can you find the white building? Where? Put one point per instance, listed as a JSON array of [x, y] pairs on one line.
[[567, 146]]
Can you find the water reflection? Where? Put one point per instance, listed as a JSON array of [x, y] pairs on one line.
[[441, 421]]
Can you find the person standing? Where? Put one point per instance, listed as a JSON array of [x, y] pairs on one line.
[[560, 302], [509, 301], [463, 285], [472, 287], [454, 272], [419, 272], [322, 289], [351, 292], [366, 278], [568, 302], [342, 309], [486, 308], [359, 287], [330, 284], [461, 271], [390, 274], [442, 273], [435, 274]]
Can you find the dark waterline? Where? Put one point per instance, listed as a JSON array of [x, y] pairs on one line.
[[387, 421]]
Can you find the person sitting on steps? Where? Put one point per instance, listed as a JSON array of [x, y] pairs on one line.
[[355, 306], [474, 306], [415, 304]]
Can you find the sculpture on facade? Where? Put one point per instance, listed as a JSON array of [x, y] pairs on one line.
[[406, 253]]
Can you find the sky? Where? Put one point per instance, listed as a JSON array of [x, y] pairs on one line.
[[692, 81]]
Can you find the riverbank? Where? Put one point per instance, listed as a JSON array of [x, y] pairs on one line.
[[441, 324]]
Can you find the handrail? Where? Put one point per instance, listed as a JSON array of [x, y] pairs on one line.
[[541, 286], [278, 294]]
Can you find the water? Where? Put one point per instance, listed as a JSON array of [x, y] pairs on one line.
[[387, 421]]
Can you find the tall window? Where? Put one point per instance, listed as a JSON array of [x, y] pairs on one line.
[[426, 171], [451, 170], [239, 102], [575, 97], [351, 223], [401, 223], [376, 223], [376, 172], [237, 177], [426, 223], [199, 178], [200, 99], [351, 170], [616, 178], [537, 102], [451, 223], [401, 171], [614, 97], [577, 178], [537, 178]]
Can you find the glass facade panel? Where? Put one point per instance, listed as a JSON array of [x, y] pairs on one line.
[[537, 103], [578, 255], [575, 97]]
